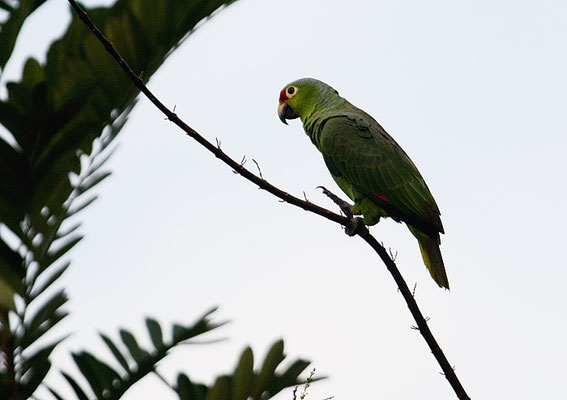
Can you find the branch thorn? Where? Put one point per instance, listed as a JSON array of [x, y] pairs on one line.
[[259, 170]]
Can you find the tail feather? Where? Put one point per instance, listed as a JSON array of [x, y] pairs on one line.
[[431, 254]]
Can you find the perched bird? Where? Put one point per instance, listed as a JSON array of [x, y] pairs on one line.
[[367, 164]]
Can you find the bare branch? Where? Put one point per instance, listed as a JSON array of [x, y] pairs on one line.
[[363, 232]]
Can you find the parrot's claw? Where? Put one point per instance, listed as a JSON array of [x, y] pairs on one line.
[[355, 227], [345, 207]]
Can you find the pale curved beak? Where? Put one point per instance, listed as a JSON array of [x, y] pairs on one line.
[[286, 112]]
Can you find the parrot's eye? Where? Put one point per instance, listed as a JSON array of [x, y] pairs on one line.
[[290, 91]]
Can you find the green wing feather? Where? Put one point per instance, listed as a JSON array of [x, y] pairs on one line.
[[358, 149], [368, 164]]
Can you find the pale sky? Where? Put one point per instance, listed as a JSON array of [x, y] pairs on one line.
[[474, 91]]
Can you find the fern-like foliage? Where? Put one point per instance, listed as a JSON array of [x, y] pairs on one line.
[[17, 12], [135, 362], [59, 122], [106, 382], [245, 383]]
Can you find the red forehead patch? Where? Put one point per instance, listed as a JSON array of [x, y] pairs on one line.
[[283, 97]]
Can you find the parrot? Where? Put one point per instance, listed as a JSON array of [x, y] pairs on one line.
[[368, 165]]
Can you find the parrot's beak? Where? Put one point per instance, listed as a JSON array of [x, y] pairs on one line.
[[286, 112]]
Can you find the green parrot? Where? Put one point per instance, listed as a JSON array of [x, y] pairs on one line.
[[367, 164]]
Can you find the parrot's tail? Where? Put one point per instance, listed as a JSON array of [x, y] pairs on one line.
[[431, 254]]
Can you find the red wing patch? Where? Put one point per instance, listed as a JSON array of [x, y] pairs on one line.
[[381, 196]]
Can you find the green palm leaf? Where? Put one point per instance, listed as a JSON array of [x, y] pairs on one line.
[[62, 117], [10, 29], [137, 362]]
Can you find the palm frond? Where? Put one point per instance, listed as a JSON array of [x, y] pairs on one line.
[[10, 28], [135, 362], [62, 118], [245, 383]]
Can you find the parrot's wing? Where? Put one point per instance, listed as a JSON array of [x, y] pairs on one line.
[[357, 148]]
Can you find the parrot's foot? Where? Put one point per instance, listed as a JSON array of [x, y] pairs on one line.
[[346, 208], [356, 225]]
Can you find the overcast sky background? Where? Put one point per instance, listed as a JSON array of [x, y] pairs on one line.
[[474, 91]]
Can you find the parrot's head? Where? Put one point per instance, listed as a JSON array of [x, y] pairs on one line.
[[302, 97]]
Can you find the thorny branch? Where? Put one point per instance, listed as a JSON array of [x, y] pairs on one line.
[[448, 370]]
